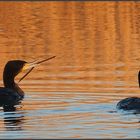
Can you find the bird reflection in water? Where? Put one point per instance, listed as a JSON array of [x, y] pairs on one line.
[[13, 119]]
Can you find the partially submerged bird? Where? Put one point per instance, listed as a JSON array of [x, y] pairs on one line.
[[11, 94], [130, 103]]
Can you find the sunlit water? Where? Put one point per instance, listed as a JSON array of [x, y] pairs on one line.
[[97, 61]]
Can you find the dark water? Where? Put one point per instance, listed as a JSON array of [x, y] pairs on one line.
[[97, 61]]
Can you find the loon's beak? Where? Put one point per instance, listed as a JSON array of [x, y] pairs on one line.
[[33, 64]]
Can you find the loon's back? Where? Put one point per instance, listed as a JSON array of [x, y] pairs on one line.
[[131, 103], [9, 97]]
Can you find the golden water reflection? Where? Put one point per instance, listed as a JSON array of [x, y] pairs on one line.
[[96, 45]]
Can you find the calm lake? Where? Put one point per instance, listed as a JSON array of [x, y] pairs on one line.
[[97, 49]]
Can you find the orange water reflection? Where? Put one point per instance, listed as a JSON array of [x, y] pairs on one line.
[[97, 60]]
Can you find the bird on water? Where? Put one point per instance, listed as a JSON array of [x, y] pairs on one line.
[[11, 94], [130, 103]]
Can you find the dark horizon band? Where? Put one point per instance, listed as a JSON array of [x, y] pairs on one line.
[[69, 0]]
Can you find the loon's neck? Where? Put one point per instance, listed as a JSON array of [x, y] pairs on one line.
[[9, 82]]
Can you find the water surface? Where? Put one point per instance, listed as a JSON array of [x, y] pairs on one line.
[[97, 61]]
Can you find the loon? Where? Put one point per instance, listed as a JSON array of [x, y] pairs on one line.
[[11, 94], [130, 103]]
